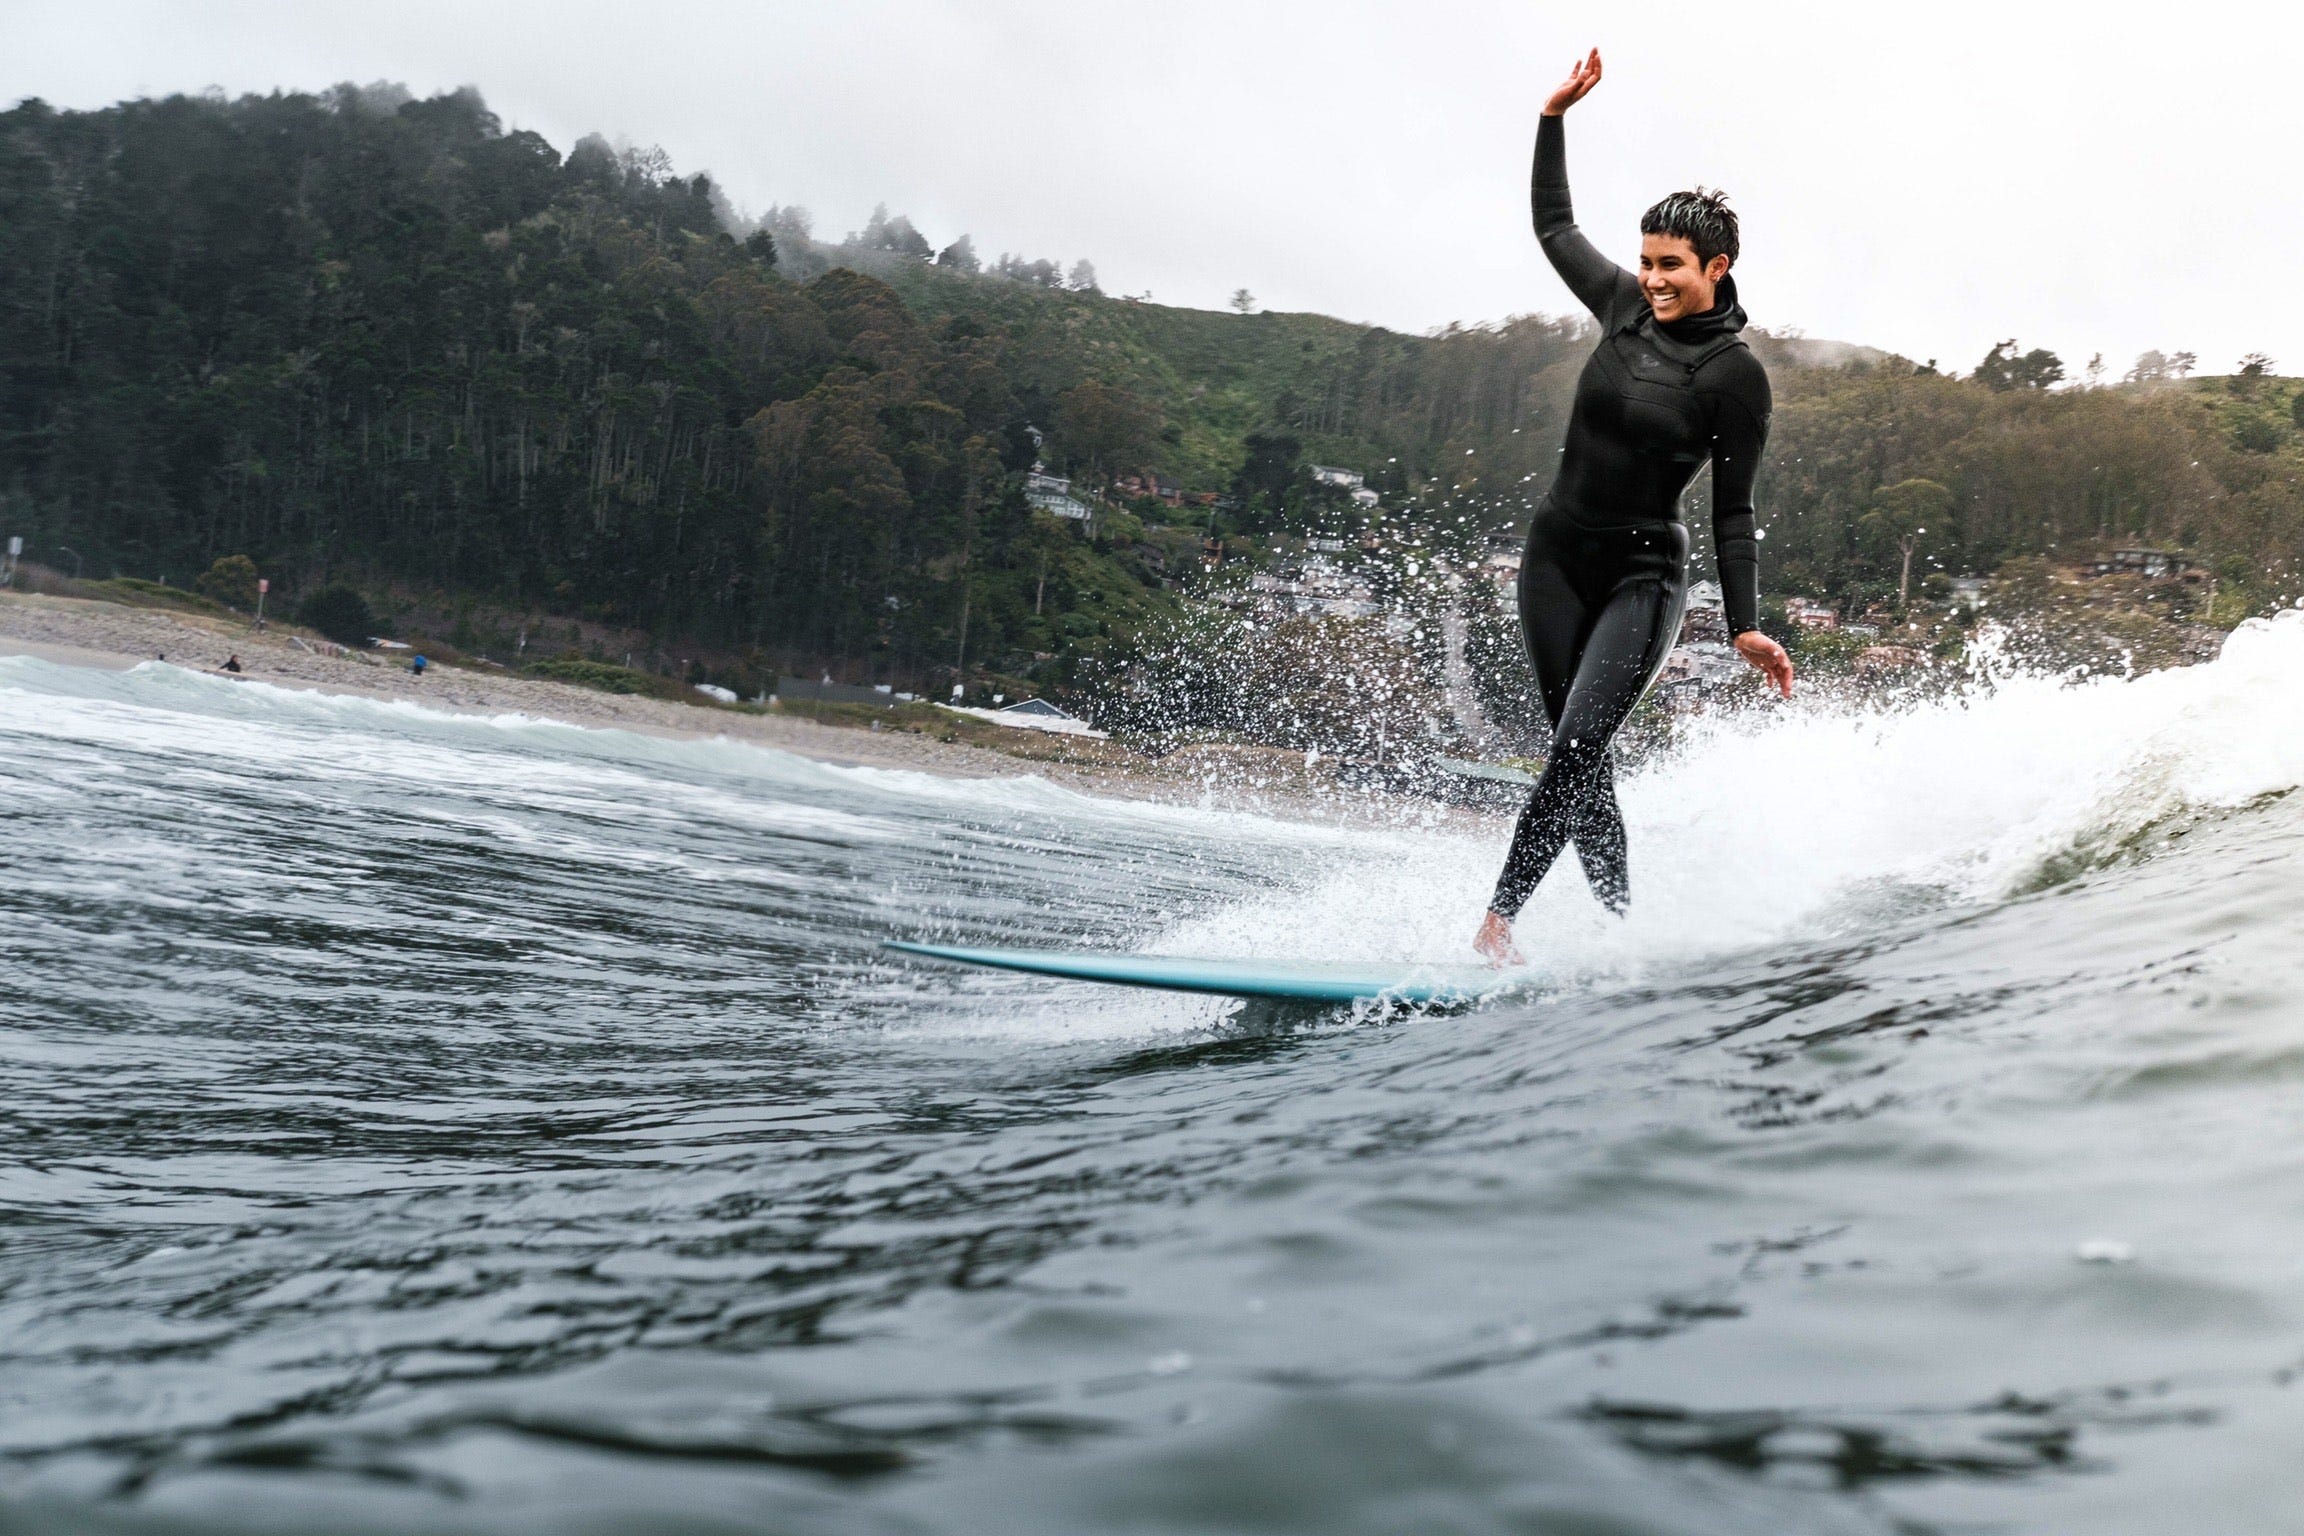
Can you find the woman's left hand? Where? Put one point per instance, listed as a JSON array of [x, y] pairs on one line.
[[1769, 657]]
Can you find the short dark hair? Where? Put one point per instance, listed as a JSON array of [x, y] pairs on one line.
[[1702, 218]]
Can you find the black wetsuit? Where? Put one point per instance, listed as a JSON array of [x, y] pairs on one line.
[[1604, 577]]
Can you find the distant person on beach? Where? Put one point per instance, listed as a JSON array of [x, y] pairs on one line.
[[232, 662], [417, 666], [1604, 579]]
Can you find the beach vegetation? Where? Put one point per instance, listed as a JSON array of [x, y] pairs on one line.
[[138, 593], [230, 581], [606, 676], [340, 613]]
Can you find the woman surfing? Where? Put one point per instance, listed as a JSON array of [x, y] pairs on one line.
[[1602, 584]]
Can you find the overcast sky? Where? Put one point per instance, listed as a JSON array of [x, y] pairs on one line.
[[1929, 181]]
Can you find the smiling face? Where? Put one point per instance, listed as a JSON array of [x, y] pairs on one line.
[[1676, 283]]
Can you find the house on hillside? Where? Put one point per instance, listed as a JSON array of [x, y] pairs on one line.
[[1364, 497], [2150, 563], [1704, 661], [1875, 659], [1053, 494], [1146, 483], [1343, 479], [1808, 613], [1706, 616]]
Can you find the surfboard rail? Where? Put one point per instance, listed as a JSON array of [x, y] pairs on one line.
[[1307, 982]]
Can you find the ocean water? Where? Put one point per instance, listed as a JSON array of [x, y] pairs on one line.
[[425, 1123]]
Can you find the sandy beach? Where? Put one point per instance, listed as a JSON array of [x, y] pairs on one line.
[[83, 632]]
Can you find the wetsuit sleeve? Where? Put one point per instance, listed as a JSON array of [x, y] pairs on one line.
[[1599, 284], [1739, 434]]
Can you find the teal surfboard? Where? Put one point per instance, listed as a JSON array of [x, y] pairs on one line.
[[1301, 982]]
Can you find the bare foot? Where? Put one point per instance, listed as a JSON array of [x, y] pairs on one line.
[[1495, 942]]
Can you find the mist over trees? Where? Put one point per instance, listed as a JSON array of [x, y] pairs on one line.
[[885, 233]]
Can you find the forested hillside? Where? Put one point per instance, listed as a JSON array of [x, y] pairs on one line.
[[363, 338], [386, 341]]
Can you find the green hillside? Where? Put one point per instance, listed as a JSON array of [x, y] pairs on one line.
[[370, 340], [1354, 395]]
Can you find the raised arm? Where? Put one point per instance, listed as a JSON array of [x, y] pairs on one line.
[[1599, 284]]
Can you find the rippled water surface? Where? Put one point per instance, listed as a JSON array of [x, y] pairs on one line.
[[428, 1123]]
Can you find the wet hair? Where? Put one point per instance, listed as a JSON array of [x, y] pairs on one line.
[[1702, 218]]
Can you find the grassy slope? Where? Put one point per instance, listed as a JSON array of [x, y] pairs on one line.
[[1215, 376]]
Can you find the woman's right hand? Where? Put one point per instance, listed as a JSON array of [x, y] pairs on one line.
[[1769, 657], [1494, 943], [1577, 86]]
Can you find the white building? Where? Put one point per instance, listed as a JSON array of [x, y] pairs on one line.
[[1053, 494], [1329, 474]]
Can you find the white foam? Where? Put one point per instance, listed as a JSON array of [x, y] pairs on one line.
[[1777, 821], [1755, 826], [145, 706]]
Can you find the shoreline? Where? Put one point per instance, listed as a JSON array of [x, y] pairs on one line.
[[114, 637]]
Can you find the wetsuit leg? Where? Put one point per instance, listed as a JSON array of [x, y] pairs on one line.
[[1555, 619], [1601, 847], [1556, 625], [1627, 643]]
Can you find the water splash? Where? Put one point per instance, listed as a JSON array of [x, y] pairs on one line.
[[1774, 821]]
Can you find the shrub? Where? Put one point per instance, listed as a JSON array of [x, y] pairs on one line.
[[230, 581], [339, 613], [603, 675], [2259, 434]]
